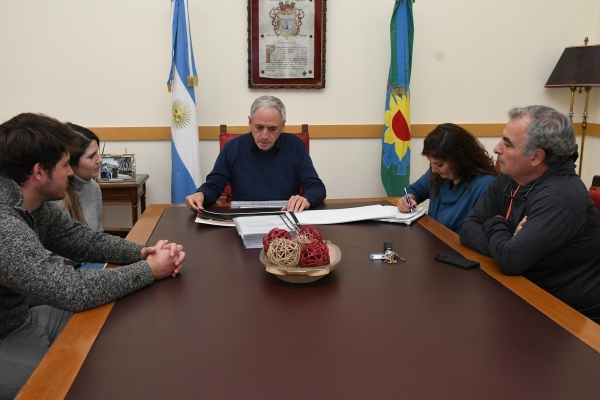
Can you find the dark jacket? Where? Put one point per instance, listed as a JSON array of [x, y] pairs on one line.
[[558, 248]]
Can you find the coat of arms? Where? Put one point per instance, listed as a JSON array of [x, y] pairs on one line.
[[286, 19]]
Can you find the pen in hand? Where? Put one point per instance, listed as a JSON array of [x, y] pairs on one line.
[[408, 200]]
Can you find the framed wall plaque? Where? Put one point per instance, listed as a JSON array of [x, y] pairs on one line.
[[117, 168], [286, 44]]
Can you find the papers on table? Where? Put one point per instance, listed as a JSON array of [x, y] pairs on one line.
[[222, 219], [252, 227], [278, 204], [403, 218], [339, 216]]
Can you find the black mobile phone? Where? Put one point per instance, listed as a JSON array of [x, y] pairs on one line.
[[457, 261]]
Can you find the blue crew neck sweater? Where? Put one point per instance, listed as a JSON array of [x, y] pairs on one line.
[[255, 175]]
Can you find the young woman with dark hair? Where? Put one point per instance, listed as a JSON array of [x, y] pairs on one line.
[[84, 198], [460, 172]]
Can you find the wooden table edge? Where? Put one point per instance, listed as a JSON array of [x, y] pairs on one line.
[[573, 321]]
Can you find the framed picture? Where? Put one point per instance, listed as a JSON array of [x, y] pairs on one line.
[[286, 44], [117, 168]]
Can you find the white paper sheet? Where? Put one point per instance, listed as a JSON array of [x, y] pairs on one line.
[[253, 229], [403, 218], [258, 225], [339, 216]]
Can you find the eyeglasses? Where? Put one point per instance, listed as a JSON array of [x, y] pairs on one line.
[[510, 195]]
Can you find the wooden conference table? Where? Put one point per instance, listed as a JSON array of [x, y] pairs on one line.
[[227, 329]]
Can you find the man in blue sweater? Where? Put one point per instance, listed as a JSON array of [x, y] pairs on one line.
[[264, 164]]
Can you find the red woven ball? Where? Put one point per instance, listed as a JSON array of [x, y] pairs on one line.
[[314, 254], [314, 234], [273, 234]]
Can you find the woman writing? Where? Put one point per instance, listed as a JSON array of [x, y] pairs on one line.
[[84, 198], [460, 172]]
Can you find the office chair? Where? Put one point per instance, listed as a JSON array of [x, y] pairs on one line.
[[595, 191]]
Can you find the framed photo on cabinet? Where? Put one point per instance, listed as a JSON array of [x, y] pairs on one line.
[[116, 168]]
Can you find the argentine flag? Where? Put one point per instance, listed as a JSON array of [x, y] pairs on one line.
[[185, 150]]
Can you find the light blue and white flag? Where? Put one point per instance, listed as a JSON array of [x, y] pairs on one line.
[[185, 149]]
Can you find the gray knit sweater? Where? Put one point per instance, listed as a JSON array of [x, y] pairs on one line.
[[90, 201], [28, 270]]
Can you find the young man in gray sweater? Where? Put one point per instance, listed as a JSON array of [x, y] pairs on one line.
[[34, 170]]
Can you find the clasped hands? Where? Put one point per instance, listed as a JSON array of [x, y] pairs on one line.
[[164, 258]]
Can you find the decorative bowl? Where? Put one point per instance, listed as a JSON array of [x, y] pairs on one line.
[[300, 274]]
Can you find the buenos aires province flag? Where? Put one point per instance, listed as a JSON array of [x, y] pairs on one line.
[[395, 155], [185, 149]]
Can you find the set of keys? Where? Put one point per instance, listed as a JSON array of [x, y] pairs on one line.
[[391, 257], [388, 256]]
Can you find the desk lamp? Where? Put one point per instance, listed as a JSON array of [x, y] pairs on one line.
[[578, 67]]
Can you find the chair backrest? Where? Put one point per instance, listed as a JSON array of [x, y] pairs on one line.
[[595, 191], [225, 137]]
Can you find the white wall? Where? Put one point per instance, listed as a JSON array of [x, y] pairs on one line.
[[105, 63]]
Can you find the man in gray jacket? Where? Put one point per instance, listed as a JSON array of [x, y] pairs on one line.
[[537, 218], [34, 170]]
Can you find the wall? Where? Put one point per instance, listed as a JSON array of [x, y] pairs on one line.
[[105, 63]]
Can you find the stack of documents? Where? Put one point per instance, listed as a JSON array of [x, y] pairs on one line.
[[403, 218], [253, 229], [342, 215], [278, 204]]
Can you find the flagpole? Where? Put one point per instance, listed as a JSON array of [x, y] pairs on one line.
[[185, 147]]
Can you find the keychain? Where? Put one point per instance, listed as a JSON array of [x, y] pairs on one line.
[[391, 257], [388, 256]]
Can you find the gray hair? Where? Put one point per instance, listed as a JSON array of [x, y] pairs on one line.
[[270, 102], [548, 130]]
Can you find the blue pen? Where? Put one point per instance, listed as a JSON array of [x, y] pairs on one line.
[[408, 200]]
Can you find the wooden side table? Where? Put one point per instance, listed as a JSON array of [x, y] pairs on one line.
[[119, 192]]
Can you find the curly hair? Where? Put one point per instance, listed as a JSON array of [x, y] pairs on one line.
[[453, 144], [548, 130]]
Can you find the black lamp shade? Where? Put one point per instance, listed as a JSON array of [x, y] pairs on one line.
[[578, 66]]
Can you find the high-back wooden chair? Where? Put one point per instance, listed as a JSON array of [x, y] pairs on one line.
[[595, 191], [225, 137]]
